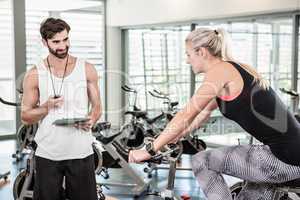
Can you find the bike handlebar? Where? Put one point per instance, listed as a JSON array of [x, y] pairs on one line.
[[158, 95], [9, 103], [128, 89], [157, 159], [289, 92]]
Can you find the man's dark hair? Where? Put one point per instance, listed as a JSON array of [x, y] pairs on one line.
[[51, 26]]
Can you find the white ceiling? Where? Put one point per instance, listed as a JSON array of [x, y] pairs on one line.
[[61, 5]]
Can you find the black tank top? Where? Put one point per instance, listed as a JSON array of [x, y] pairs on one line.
[[261, 113]]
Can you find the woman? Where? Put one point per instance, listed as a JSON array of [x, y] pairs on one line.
[[244, 97]]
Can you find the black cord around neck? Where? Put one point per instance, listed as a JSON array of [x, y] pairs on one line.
[[57, 95]]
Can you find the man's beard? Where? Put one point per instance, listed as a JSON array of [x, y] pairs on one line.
[[57, 54]]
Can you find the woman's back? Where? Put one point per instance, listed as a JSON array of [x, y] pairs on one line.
[[261, 113]]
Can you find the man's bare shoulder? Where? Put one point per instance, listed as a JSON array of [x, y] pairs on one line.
[[91, 71], [31, 76], [89, 66]]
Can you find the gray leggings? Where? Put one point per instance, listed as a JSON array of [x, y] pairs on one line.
[[253, 163]]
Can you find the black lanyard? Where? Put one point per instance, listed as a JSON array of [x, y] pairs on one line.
[[57, 95]]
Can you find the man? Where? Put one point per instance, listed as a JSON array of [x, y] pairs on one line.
[[62, 86]]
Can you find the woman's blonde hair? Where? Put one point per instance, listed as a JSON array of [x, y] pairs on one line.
[[217, 42]]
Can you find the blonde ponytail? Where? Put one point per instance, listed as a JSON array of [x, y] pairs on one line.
[[217, 42], [224, 44]]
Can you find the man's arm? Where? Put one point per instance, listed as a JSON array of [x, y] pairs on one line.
[[31, 111], [93, 93]]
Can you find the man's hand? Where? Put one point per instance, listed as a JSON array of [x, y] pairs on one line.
[[86, 126], [54, 102]]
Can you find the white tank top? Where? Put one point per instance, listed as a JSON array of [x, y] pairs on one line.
[[58, 142]]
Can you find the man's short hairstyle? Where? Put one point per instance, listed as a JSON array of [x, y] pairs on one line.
[[51, 26]]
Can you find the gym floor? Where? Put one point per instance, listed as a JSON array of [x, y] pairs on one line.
[[185, 184]]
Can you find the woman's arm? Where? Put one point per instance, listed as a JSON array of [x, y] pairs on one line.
[[211, 87], [183, 119], [200, 119]]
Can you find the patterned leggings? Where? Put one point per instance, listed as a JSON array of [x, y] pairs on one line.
[[253, 163]]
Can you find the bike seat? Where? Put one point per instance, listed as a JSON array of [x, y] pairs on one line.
[[107, 139], [289, 92], [9, 103], [138, 114], [101, 126], [292, 183], [152, 120], [175, 103]]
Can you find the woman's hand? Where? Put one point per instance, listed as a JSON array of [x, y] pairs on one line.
[[136, 156]]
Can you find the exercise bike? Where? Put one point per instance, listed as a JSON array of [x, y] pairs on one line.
[[139, 125], [6, 174], [152, 128], [115, 155], [192, 144], [134, 131], [24, 133], [169, 154]]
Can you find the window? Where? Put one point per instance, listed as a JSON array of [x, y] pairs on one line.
[[156, 60], [34, 47], [282, 75]]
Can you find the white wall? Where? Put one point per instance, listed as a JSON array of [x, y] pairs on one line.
[[140, 12]]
